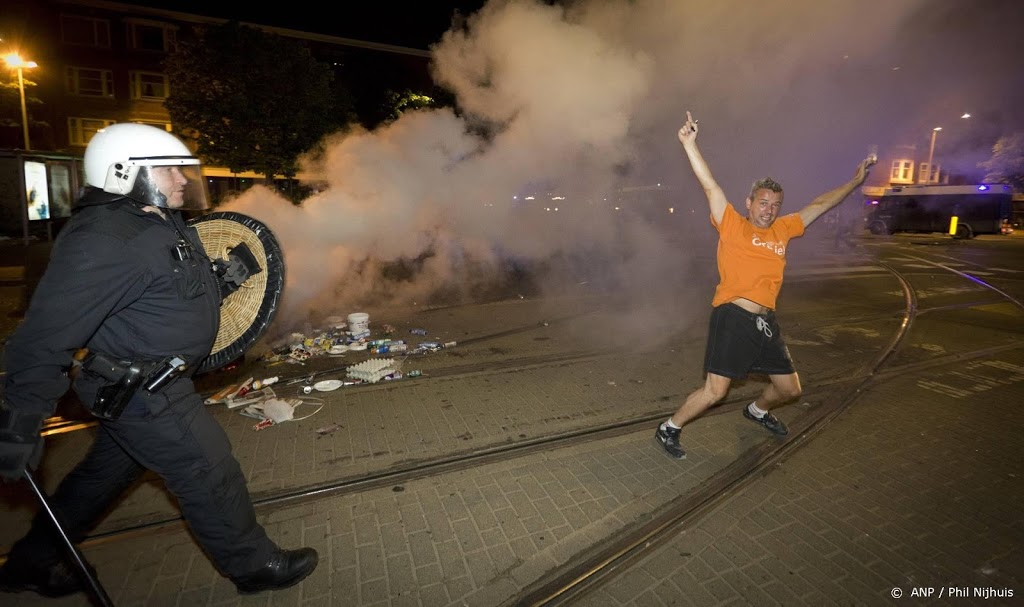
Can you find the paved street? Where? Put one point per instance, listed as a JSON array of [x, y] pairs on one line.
[[914, 484]]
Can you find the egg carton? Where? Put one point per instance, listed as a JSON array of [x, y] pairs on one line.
[[373, 370]]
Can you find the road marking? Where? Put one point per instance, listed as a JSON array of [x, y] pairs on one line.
[[973, 379]]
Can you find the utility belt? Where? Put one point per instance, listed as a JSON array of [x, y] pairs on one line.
[[125, 378]]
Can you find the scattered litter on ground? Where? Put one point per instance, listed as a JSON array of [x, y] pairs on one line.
[[374, 370], [259, 397], [339, 339], [327, 385], [280, 410]]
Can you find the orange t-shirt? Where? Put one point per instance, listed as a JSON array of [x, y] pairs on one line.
[[750, 259]]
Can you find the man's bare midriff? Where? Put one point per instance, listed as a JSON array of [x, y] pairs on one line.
[[749, 306]]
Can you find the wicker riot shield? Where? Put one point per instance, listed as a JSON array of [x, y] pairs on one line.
[[246, 313]]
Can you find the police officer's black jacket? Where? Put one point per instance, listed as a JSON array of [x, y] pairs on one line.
[[114, 286]]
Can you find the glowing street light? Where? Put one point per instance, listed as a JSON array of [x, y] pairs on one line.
[[931, 154], [931, 150], [15, 61]]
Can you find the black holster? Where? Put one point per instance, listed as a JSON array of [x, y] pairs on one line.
[[125, 377]]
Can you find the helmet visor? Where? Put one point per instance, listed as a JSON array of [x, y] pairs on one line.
[[172, 186]]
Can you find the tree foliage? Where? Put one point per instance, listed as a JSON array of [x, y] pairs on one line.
[[252, 100], [10, 100], [1007, 162], [395, 103]]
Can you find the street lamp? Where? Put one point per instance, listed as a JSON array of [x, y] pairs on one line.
[[16, 62], [931, 153], [931, 150]]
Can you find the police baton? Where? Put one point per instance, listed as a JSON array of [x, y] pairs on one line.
[[94, 583]]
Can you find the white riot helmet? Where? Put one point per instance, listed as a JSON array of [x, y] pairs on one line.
[[146, 164]]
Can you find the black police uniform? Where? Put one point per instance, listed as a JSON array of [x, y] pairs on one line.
[[116, 286]]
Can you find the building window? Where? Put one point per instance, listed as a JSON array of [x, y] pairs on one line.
[[160, 125], [151, 36], [90, 82], [84, 31], [81, 130], [902, 171], [149, 85], [928, 174]]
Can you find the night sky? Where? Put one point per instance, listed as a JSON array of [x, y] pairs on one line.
[[416, 25]]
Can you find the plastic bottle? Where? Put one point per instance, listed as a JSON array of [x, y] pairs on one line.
[[263, 383]]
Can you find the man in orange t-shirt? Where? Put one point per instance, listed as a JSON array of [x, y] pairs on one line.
[[743, 335]]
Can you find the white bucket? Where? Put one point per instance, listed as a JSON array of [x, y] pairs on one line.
[[358, 322]]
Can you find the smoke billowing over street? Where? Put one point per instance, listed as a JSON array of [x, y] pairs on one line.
[[585, 100]]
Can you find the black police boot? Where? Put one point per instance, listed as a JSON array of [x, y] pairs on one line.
[[51, 581], [284, 568]]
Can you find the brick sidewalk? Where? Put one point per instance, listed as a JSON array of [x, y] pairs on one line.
[[905, 490]]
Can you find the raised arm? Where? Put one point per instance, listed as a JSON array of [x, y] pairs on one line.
[[831, 198], [714, 193]]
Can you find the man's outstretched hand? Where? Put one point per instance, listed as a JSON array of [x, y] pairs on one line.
[[862, 169], [688, 132]]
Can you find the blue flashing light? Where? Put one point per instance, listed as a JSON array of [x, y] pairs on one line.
[[982, 188]]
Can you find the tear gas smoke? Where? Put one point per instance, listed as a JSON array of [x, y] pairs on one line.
[[583, 101]]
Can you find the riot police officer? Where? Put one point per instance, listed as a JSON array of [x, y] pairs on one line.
[[128, 281]]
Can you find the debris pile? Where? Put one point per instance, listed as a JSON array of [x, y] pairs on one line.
[[374, 370], [338, 340], [256, 399]]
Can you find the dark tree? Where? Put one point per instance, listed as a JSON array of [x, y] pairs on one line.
[[11, 133], [1007, 162], [252, 100]]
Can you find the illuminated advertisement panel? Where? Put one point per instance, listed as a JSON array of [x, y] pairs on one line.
[[60, 190], [36, 190]]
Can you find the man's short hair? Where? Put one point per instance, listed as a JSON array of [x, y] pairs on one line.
[[765, 184]]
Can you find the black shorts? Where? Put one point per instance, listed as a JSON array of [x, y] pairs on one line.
[[741, 342]]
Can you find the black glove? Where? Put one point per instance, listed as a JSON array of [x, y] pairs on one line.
[[21, 445], [236, 269]]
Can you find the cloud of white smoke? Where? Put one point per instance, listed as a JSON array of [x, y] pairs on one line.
[[581, 101]]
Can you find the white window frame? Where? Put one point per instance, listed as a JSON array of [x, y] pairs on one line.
[[902, 171], [81, 130], [135, 37], [76, 75], [928, 174], [100, 30], [138, 85]]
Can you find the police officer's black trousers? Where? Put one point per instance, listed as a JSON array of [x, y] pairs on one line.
[[187, 448]]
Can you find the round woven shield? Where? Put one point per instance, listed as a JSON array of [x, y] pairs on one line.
[[246, 313]]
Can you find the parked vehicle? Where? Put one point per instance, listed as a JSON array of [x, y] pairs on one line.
[[962, 210]]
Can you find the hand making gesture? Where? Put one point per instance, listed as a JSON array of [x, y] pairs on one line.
[[862, 169], [688, 132]]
